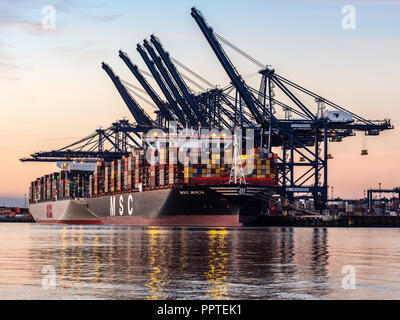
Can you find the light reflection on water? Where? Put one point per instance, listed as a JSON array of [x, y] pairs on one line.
[[98, 262], [217, 263]]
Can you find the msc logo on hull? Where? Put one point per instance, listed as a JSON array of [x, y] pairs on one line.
[[125, 205], [49, 211]]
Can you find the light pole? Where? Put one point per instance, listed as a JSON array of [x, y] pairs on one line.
[[380, 195]]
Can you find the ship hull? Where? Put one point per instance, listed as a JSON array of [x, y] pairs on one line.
[[186, 206], [63, 212]]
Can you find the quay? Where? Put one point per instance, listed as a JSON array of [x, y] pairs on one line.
[[324, 221]]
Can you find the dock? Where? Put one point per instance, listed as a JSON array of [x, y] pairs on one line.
[[17, 219], [323, 221]]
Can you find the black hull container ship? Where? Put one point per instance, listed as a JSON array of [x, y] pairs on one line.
[[157, 189], [182, 206], [134, 191]]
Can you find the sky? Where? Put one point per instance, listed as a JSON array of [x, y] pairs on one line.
[[54, 91]]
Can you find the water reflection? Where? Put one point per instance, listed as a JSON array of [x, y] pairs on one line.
[[64, 236], [320, 254], [97, 273], [287, 253], [217, 262], [189, 263], [71, 264], [158, 274]]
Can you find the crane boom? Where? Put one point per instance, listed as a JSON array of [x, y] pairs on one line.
[[170, 83], [146, 86], [138, 113], [236, 79], [161, 84], [178, 79]]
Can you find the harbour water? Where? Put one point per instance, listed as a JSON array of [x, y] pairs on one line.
[[100, 262]]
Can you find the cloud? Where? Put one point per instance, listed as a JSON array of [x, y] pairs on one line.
[[25, 16], [20, 15], [79, 53], [8, 65], [26, 26], [71, 49], [81, 8], [107, 18], [69, 6], [352, 2]]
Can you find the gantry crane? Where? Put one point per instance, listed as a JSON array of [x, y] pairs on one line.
[[162, 85], [165, 112], [283, 120], [104, 144], [302, 136]]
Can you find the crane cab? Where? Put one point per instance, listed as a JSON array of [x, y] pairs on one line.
[[364, 152], [338, 116]]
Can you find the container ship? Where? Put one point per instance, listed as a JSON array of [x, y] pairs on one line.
[[153, 188], [60, 197]]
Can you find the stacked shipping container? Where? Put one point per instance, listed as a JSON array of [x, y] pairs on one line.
[[60, 185], [149, 169]]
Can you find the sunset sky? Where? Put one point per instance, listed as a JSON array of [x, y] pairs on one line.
[[54, 91]]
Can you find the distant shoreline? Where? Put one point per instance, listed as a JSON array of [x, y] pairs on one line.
[[14, 202]]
